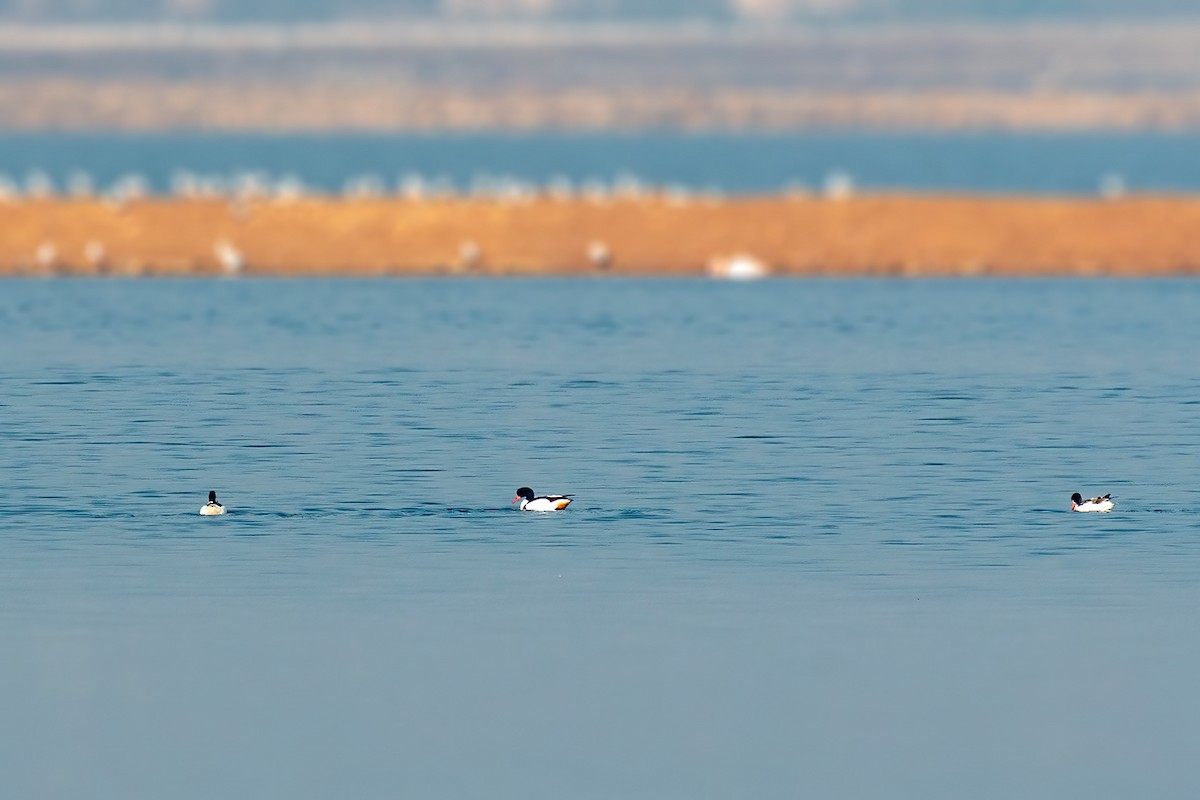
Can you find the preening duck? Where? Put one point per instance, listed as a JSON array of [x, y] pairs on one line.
[[552, 502], [212, 508], [1104, 503]]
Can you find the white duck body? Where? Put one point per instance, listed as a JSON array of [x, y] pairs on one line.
[[552, 502], [212, 508], [1101, 504]]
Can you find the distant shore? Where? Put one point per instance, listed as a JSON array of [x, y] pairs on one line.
[[409, 76], [154, 105], [888, 235]]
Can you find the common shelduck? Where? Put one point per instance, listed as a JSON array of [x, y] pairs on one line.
[[553, 502], [212, 508], [1104, 503]]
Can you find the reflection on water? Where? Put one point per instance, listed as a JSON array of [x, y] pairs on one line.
[[819, 524]]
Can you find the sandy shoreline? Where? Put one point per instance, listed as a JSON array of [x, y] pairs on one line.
[[869, 235]]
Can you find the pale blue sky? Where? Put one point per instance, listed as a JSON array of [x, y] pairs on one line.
[[909, 11]]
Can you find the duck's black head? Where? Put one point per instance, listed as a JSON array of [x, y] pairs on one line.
[[1077, 499], [524, 492], [212, 497]]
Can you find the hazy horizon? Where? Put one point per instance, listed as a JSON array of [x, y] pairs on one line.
[[661, 11], [597, 65]]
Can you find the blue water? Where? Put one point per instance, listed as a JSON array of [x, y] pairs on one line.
[[1046, 164], [821, 544]]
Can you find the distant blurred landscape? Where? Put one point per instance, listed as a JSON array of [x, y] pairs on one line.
[[597, 65], [583, 136]]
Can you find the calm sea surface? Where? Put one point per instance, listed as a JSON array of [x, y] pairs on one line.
[[821, 545], [1056, 164]]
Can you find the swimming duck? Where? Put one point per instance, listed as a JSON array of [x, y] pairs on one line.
[[553, 502], [212, 508], [1104, 503]]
